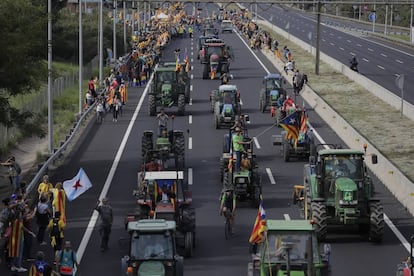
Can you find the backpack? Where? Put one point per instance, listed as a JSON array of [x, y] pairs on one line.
[[40, 266]]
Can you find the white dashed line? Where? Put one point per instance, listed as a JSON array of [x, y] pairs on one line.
[[256, 143], [190, 176], [190, 119], [192, 67], [332, 44], [399, 61], [192, 60], [366, 60], [351, 53], [323, 40], [369, 49], [359, 45], [287, 217], [191, 102], [191, 86], [270, 175], [340, 48], [192, 76], [380, 67], [349, 41], [384, 55], [241, 102], [190, 143]]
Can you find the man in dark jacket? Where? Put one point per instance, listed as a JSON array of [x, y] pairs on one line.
[[105, 211]]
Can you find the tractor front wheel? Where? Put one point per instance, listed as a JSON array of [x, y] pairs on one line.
[[376, 227], [319, 217], [181, 104]]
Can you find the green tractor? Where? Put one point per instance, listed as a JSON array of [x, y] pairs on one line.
[[215, 56], [340, 192], [291, 248], [170, 145], [273, 87], [183, 77], [168, 89], [152, 249], [225, 103]]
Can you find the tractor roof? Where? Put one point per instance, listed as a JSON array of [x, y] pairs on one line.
[[227, 87], [214, 42], [151, 225], [172, 175], [165, 69], [170, 63], [273, 76], [288, 225], [340, 152]]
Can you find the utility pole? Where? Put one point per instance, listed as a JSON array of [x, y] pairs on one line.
[[80, 58], [318, 38], [101, 42], [125, 29], [114, 29], [49, 75]]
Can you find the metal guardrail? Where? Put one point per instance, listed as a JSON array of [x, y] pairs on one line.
[[58, 151]]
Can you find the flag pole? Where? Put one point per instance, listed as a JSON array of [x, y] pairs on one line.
[[268, 253]]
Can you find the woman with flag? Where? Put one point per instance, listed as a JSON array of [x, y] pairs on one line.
[[59, 200]]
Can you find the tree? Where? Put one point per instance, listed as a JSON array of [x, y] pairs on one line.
[[23, 32]]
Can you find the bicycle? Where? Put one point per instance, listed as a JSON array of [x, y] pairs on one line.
[[228, 227]]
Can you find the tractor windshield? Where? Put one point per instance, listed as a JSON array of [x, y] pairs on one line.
[[215, 50], [287, 245], [151, 246], [228, 97], [272, 84], [344, 166], [167, 76]]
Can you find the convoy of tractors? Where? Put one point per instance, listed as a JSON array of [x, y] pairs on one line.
[[337, 189]]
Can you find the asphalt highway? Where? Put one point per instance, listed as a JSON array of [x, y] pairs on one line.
[[110, 155], [378, 61]]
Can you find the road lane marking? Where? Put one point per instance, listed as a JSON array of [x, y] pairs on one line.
[[190, 119], [256, 142], [190, 176], [190, 142], [92, 222], [340, 48], [192, 60], [191, 102], [351, 53], [384, 55], [191, 87], [192, 76], [349, 41], [359, 45], [380, 67], [270, 175], [332, 44], [369, 49], [287, 217], [364, 59], [399, 61]]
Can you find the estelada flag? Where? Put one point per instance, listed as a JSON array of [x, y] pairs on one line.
[[77, 185], [291, 125], [259, 227], [15, 239]]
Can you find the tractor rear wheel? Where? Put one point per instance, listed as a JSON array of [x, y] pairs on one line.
[[319, 217], [188, 244], [181, 104], [152, 105], [285, 145], [376, 227], [146, 147], [205, 71], [187, 93]]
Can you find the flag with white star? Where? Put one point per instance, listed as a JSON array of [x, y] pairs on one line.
[[77, 185], [291, 125]]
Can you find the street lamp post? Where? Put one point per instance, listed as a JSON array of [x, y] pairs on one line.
[[49, 76], [101, 42], [80, 57], [125, 26], [318, 38], [114, 29]]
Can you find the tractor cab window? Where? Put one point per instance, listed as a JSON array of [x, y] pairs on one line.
[[151, 246], [343, 166], [167, 76], [227, 98], [287, 245], [273, 84]]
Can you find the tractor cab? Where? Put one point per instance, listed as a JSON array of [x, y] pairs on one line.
[[241, 181], [273, 87], [291, 249], [152, 249]]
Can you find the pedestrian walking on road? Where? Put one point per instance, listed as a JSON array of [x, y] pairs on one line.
[[14, 171], [105, 211], [66, 260], [43, 214]]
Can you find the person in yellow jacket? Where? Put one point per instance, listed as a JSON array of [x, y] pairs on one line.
[[56, 227], [45, 187], [59, 200]]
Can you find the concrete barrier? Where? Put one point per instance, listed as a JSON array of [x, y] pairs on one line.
[[396, 182]]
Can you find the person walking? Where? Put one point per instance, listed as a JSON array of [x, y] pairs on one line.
[[14, 171], [56, 227], [43, 214], [66, 260], [105, 212], [28, 215], [44, 188], [59, 201], [40, 267]]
